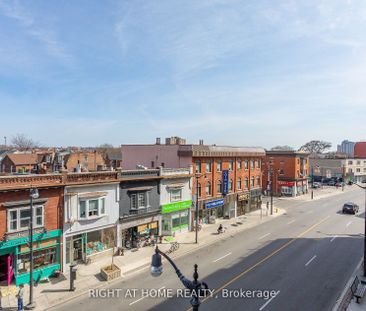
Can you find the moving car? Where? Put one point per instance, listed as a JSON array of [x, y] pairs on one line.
[[350, 208]]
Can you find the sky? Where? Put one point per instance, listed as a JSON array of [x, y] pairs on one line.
[[244, 73]]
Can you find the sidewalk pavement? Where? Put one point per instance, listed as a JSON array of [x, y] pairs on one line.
[[346, 301], [47, 295]]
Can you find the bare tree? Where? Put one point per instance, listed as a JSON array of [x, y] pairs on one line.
[[20, 141], [282, 148], [316, 146]]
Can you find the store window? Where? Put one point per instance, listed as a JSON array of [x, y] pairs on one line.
[[175, 195], [180, 220], [219, 165], [208, 188], [239, 184], [198, 166], [41, 258], [19, 218], [91, 208], [100, 240]]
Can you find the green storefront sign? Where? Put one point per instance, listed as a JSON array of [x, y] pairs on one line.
[[176, 206], [46, 256]]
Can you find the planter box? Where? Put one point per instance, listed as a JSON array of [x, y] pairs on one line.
[[110, 272]]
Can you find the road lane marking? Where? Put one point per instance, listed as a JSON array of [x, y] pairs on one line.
[[333, 238], [228, 254], [308, 263], [290, 222], [348, 224], [263, 236], [136, 301], [262, 261], [267, 303]]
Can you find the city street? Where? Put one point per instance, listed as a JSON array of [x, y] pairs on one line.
[[306, 256]]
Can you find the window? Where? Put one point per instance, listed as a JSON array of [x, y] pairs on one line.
[[239, 184], [246, 164], [41, 258], [358, 170], [198, 166], [208, 188], [258, 181], [19, 219], [258, 163], [230, 185], [219, 187], [252, 164], [358, 162], [282, 172], [175, 195], [208, 166], [91, 208], [231, 165], [246, 182], [349, 170], [138, 200], [350, 162], [239, 165], [162, 164], [219, 165], [252, 182], [152, 164]]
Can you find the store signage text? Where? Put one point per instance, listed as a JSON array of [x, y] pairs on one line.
[[225, 181], [215, 203], [176, 206]]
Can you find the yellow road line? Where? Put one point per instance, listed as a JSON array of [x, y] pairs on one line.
[[261, 261]]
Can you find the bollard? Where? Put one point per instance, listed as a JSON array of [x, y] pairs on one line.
[[73, 269]]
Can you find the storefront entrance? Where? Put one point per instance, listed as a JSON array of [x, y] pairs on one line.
[[7, 268]]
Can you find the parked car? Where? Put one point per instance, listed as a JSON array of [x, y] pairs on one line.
[[316, 185], [332, 183], [339, 184], [350, 208]]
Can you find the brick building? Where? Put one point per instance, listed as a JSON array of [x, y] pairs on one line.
[[242, 166], [19, 163], [14, 230], [360, 149], [287, 171], [83, 161]]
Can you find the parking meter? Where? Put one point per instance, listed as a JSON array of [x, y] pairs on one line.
[[73, 269]]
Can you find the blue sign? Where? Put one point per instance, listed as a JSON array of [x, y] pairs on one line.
[[225, 182], [216, 203]]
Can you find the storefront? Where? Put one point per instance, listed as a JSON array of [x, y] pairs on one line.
[[255, 199], [15, 257], [301, 187], [85, 246], [135, 236], [287, 188], [243, 205], [175, 217], [213, 210]]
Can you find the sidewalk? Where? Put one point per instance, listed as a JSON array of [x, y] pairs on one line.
[[346, 301], [55, 292]]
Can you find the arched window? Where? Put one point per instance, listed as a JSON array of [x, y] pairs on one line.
[[208, 188]]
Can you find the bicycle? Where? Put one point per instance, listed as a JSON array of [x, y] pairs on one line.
[[174, 246]]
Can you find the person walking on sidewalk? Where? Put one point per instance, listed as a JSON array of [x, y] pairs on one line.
[[20, 297]]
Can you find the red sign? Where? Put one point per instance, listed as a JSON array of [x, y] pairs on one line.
[[286, 183]]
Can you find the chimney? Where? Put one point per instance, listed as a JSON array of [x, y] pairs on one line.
[[158, 140], [201, 141]]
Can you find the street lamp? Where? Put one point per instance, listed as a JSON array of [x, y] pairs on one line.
[[33, 194], [364, 246], [196, 289]]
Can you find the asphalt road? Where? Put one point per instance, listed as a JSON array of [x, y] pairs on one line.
[[305, 256]]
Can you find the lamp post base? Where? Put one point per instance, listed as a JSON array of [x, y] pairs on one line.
[[30, 306]]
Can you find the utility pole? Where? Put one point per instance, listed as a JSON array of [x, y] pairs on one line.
[[272, 184]]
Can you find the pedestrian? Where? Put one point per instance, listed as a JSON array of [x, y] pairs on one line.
[[20, 296]]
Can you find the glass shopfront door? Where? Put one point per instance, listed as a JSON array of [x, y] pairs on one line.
[[74, 249]]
